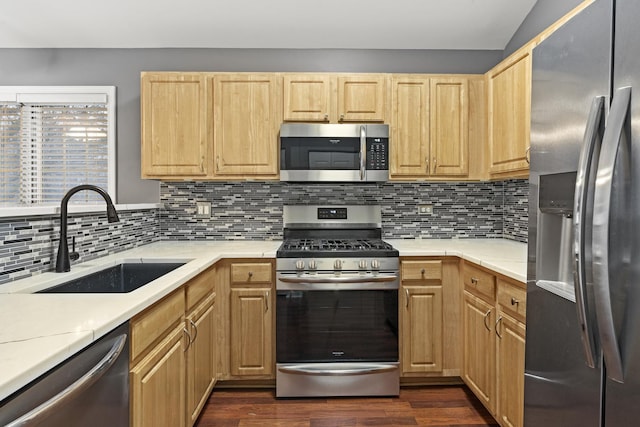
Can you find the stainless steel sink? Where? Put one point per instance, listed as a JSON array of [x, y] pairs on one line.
[[120, 278]]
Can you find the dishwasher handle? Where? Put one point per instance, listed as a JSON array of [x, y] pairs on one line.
[[36, 415]]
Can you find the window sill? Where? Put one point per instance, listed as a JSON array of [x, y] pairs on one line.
[[24, 212]]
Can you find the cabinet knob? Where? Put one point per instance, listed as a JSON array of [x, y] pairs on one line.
[[514, 301], [341, 116], [250, 274], [326, 117], [474, 281], [422, 271]]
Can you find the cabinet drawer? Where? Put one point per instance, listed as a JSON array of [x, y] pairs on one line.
[[247, 273], [152, 324], [512, 299], [421, 270], [479, 281], [199, 287]]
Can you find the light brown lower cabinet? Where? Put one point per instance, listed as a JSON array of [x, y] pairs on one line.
[[479, 365], [494, 317], [251, 332], [172, 356], [158, 384], [200, 357], [511, 336], [429, 318]]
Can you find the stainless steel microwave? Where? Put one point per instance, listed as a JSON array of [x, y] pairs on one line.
[[334, 152]]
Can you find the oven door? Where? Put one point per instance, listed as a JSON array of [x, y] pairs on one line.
[[347, 318]]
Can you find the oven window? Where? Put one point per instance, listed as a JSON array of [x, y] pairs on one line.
[[319, 153], [337, 326]]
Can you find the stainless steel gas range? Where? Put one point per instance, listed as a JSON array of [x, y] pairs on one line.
[[337, 304]]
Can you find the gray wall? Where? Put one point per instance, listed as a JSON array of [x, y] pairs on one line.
[[122, 67], [543, 14]]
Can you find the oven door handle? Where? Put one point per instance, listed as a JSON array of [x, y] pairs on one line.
[[345, 370], [363, 152], [338, 279]]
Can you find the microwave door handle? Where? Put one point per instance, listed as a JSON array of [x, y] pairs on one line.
[[363, 151], [611, 142], [587, 154]]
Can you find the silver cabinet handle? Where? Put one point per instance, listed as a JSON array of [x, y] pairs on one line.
[[514, 301], [195, 328], [342, 371], [266, 302], [498, 327], [586, 319], [611, 143], [38, 414], [426, 160], [406, 294], [189, 340], [486, 317], [363, 151], [527, 155]]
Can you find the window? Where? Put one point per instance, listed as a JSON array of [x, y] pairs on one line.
[[52, 139]]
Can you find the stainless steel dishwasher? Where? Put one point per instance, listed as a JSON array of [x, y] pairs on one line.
[[89, 389]]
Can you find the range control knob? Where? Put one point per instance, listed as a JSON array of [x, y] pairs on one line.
[[375, 264], [362, 265], [313, 265], [337, 265], [300, 265]]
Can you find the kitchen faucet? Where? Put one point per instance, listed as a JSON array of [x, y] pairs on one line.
[[63, 263]]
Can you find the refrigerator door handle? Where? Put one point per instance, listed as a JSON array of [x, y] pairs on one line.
[[601, 213], [585, 318]]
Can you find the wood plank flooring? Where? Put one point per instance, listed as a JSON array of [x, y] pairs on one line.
[[416, 406]]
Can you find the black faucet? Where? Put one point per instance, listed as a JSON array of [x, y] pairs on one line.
[[63, 263]]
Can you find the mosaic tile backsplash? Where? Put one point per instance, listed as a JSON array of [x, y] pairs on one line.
[[29, 245], [253, 210]]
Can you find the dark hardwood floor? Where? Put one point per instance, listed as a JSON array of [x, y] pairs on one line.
[[416, 406]]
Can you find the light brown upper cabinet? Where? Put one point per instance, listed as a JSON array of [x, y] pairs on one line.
[[174, 125], [335, 98], [361, 98], [430, 127], [509, 103], [449, 128], [247, 112], [307, 97], [409, 151]]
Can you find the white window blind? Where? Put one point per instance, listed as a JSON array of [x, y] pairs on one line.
[[49, 147]]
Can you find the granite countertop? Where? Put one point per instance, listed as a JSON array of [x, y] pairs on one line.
[[39, 331]]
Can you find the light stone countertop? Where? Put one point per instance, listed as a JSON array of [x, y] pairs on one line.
[[39, 331]]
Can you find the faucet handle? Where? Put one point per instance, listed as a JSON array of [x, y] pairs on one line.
[[73, 256]]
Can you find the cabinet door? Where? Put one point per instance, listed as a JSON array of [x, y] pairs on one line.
[[251, 332], [421, 329], [306, 97], [174, 128], [200, 358], [409, 151], [247, 117], [361, 98], [510, 115], [511, 342], [479, 364], [158, 385], [449, 126]]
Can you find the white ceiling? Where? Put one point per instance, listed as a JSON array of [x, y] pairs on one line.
[[339, 24]]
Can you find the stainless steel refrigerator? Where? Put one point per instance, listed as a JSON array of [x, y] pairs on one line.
[[582, 357]]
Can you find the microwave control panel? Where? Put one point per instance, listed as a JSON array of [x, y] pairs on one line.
[[377, 154]]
